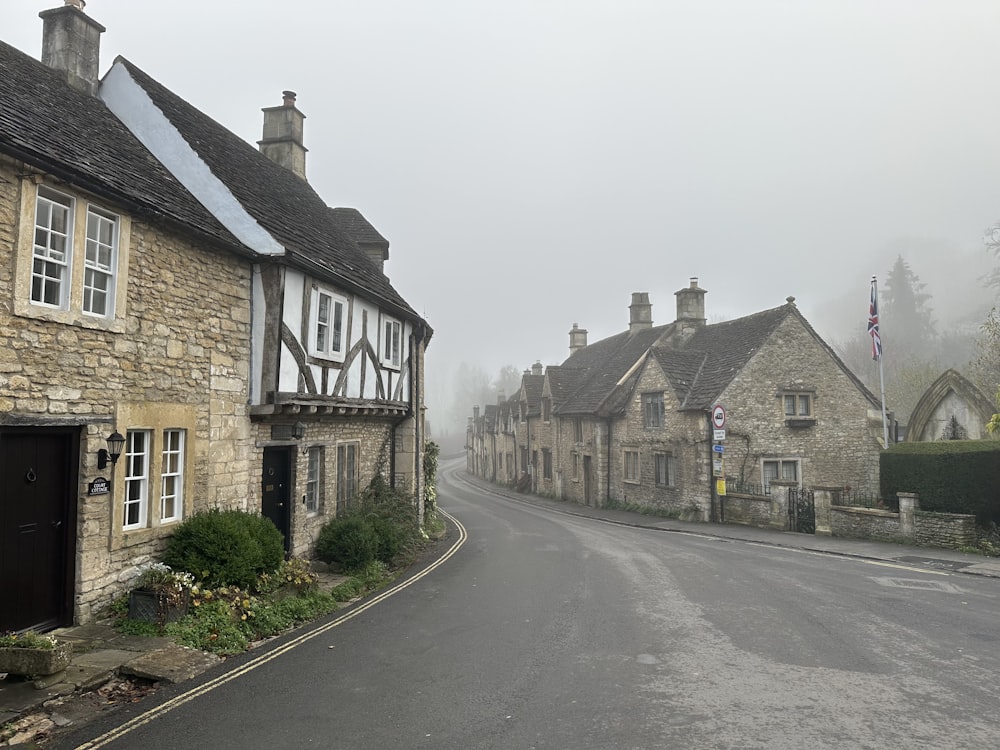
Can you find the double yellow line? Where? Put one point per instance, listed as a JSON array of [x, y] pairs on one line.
[[190, 695]]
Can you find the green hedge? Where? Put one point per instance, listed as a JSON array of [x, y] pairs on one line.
[[949, 476], [226, 547]]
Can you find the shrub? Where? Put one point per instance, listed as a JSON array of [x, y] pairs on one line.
[[350, 542], [226, 547]]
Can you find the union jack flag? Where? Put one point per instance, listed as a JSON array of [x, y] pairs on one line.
[[873, 322]]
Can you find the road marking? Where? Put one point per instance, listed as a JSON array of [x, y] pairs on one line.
[[190, 695]]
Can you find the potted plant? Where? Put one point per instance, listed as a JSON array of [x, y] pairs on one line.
[[160, 594], [32, 654]]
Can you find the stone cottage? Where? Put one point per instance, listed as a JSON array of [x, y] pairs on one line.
[[630, 415], [164, 282]]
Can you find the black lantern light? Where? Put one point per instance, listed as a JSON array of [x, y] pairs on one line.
[[116, 442]]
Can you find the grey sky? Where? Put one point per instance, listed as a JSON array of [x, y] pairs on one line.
[[533, 163]]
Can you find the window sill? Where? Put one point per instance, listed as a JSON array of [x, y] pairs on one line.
[[800, 421]]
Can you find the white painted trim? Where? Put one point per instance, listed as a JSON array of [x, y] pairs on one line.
[[131, 104]]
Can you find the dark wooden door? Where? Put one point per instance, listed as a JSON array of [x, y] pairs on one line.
[[276, 489], [37, 479]]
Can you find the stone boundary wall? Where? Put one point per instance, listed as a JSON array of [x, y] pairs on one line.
[[747, 510], [945, 529], [865, 523]]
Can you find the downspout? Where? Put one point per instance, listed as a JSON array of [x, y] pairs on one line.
[[607, 471], [712, 511]]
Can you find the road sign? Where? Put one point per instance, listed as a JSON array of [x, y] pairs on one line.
[[718, 417], [718, 448], [718, 434]]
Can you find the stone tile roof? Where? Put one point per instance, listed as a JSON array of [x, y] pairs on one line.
[[699, 369], [359, 229], [531, 386], [282, 203], [72, 135], [490, 417]]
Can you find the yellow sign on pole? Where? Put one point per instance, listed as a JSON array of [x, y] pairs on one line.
[[720, 487]]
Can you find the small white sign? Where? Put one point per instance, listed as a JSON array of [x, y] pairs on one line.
[[718, 434]]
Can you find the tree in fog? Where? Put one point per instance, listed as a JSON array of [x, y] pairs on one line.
[[913, 354], [471, 387]]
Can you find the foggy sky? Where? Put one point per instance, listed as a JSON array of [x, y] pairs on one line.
[[533, 163]]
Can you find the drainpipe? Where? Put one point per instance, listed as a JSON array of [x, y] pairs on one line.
[[607, 473], [713, 499]]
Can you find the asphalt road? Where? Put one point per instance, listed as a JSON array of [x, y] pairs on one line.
[[535, 629]]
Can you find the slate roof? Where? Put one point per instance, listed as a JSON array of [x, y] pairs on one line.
[[72, 135], [359, 229], [699, 369], [531, 387], [282, 203]]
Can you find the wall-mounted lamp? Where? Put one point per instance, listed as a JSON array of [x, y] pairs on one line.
[[116, 442], [298, 430]]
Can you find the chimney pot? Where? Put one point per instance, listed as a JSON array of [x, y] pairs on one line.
[[80, 4], [288, 98]]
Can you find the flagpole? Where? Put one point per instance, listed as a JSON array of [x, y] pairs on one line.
[[877, 350]]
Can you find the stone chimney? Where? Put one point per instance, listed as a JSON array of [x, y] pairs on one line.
[[640, 312], [577, 339], [537, 369], [71, 44], [690, 308], [282, 137]]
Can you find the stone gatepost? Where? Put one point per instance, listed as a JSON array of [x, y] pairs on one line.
[[908, 504], [779, 503], [823, 500]]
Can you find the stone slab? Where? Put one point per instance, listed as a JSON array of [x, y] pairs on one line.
[[170, 664]]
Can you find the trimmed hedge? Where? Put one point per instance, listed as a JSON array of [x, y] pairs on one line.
[[949, 476], [226, 547]]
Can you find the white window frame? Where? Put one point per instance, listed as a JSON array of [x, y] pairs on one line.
[[391, 344], [100, 261], [334, 330], [138, 444], [54, 254], [630, 466], [172, 475], [314, 478]]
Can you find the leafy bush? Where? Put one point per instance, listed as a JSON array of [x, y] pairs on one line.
[[350, 542], [226, 547], [381, 526]]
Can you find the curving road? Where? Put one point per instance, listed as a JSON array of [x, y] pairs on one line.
[[545, 630]]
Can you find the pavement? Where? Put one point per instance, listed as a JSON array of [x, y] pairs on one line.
[[109, 667]]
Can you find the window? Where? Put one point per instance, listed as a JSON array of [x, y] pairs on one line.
[[390, 342], [786, 469], [53, 248], [546, 463], [327, 324], [172, 476], [797, 405], [136, 478], [314, 473], [631, 466], [99, 262], [663, 469], [578, 430], [576, 466], [347, 474], [652, 409], [546, 409]]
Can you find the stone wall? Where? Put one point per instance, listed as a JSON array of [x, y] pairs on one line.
[[175, 357], [747, 510], [865, 523], [945, 529]]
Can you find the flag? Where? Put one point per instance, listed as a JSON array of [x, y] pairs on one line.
[[873, 323]]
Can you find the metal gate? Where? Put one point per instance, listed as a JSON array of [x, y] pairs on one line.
[[801, 510]]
